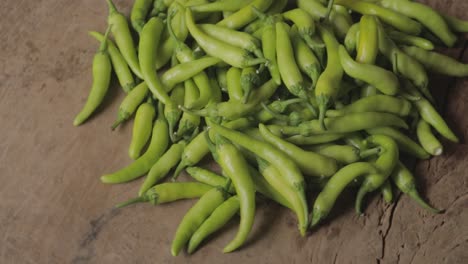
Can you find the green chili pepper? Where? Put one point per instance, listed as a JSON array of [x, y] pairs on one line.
[[428, 141], [387, 191], [220, 216], [281, 161], [405, 143], [131, 103], [438, 63], [209, 177], [328, 84], [314, 139], [397, 20], [406, 39], [230, 54], [149, 42], [289, 71], [235, 167], [305, 24], [233, 81], [172, 111], [157, 146], [221, 6], [170, 192], [425, 15], [385, 164], [375, 103], [221, 77], [430, 115], [264, 187], [120, 66], [102, 69], [385, 81], [248, 80], [123, 38], [142, 127], [405, 181], [351, 39], [327, 197], [456, 24], [140, 10], [245, 15], [322, 165], [345, 124], [195, 217], [189, 123], [368, 40], [306, 60], [345, 154]]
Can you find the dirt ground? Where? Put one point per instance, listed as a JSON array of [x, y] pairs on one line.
[[54, 209]]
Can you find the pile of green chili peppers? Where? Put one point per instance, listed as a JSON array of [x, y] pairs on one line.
[[289, 98]]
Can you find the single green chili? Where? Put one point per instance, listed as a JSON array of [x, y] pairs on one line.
[[130, 103], [172, 111], [208, 177], [245, 15], [140, 10], [142, 127], [406, 39], [387, 191], [306, 60], [157, 146], [327, 197], [368, 40], [456, 24], [220, 6], [375, 103], [345, 154], [314, 139], [102, 70], [428, 141], [234, 88], [189, 123], [123, 38], [248, 80], [170, 192], [405, 181]]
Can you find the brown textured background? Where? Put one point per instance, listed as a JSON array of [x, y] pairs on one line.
[[53, 208]]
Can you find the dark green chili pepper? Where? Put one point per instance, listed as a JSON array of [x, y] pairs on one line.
[[220, 6], [314, 139], [306, 60], [385, 81], [218, 218], [120, 66], [327, 197], [234, 88], [430, 115], [428, 141], [162, 167], [248, 80], [385, 164], [387, 191], [375, 103], [170, 192], [368, 40], [456, 24], [195, 217], [149, 42], [140, 10], [131, 103], [328, 84], [235, 167], [425, 15], [289, 71], [245, 15], [102, 70], [230, 54], [345, 124], [397, 20], [157, 146], [287, 168], [438, 63], [189, 123], [142, 127], [321, 166], [123, 38], [405, 181], [405, 143]]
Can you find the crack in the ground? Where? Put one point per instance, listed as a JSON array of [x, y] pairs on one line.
[[390, 223]]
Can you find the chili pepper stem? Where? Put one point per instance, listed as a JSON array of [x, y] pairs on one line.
[[140, 199], [417, 198], [112, 8], [369, 152]]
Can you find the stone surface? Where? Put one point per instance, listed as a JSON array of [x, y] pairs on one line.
[[54, 209]]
